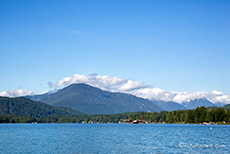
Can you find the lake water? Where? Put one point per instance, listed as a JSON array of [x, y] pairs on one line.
[[113, 138]]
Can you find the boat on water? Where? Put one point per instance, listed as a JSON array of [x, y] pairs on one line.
[[137, 121], [210, 123]]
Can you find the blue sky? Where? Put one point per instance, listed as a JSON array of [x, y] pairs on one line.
[[172, 45]]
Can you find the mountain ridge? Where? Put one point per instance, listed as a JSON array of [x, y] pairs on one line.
[[191, 104], [169, 105], [92, 100], [25, 107], [198, 102], [101, 102]]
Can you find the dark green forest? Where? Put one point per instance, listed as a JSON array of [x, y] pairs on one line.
[[25, 107], [198, 115]]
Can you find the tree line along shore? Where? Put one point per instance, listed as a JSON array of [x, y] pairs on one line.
[[195, 116]]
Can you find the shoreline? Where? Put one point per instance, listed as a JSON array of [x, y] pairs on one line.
[[122, 123]]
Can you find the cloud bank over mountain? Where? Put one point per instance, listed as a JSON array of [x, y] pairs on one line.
[[16, 93], [180, 97], [142, 90], [103, 82], [139, 89]]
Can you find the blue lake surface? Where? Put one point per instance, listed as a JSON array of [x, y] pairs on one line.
[[113, 138]]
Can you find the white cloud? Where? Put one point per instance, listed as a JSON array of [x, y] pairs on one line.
[[16, 93], [104, 82], [131, 85], [154, 93], [217, 92]]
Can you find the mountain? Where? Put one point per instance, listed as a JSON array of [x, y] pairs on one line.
[[213, 107], [25, 107], [91, 100], [219, 104], [227, 107], [192, 104], [169, 106]]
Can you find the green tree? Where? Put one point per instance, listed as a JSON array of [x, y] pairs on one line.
[[200, 114], [190, 116], [220, 115]]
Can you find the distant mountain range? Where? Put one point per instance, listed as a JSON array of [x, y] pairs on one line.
[[91, 100], [25, 107], [226, 107], [192, 104], [197, 103], [169, 106], [82, 99]]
